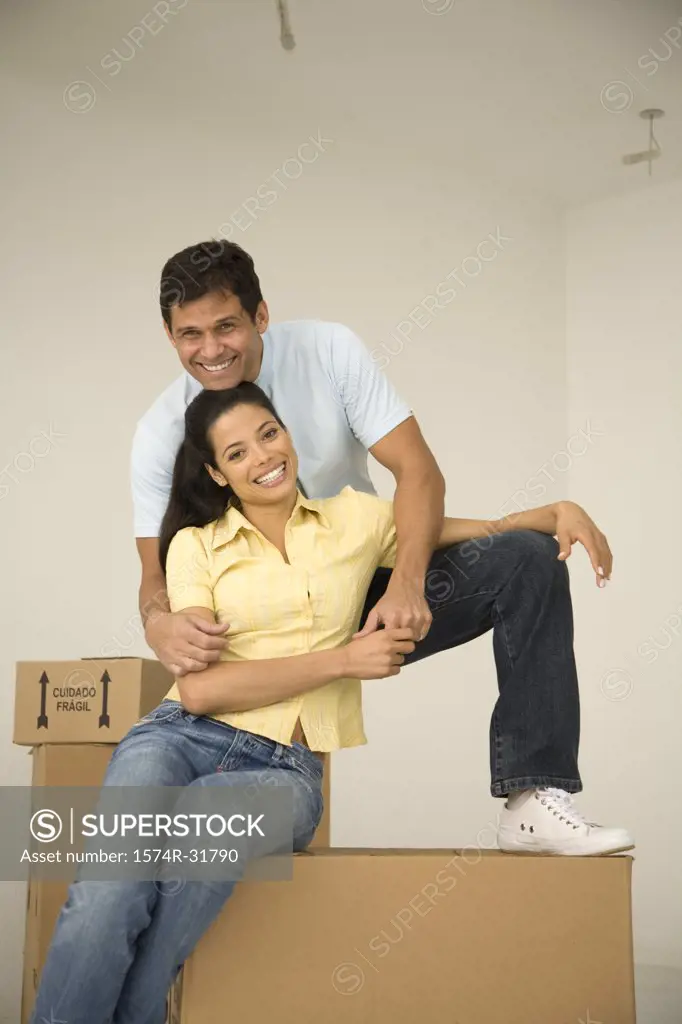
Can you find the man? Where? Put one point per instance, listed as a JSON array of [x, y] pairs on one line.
[[338, 406]]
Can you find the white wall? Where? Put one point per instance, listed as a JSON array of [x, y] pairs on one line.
[[624, 373], [350, 240], [169, 153]]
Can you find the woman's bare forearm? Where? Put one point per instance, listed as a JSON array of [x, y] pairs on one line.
[[243, 685], [457, 530]]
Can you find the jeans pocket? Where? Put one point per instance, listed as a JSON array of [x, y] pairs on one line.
[[166, 711]]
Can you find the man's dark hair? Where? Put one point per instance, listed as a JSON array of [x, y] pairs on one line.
[[215, 266]]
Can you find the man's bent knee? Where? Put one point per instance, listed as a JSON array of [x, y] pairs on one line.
[[532, 543]]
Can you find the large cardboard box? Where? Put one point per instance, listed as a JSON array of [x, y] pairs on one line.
[[394, 937], [58, 765], [86, 701], [82, 765]]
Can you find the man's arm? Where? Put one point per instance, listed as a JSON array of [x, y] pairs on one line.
[[418, 509], [384, 423], [153, 592], [419, 498]]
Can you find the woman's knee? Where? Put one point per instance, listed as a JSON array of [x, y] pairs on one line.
[[301, 797], [306, 803], [308, 807], [96, 909]]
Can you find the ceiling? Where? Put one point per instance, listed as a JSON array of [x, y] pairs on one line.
[[544, 94], [535, 97]]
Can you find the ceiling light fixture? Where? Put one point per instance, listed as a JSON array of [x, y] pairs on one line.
[[286, 36], [654, 150]]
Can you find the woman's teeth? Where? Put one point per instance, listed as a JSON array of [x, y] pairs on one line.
[[220, 366], [273, 475]]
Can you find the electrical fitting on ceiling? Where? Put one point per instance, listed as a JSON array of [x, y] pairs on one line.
[[654, 150], [286, 36]]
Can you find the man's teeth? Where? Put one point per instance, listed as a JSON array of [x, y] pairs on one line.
[[272, 475], [219, 366]]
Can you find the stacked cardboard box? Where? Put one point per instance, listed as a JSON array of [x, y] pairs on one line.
[[72, 714], [86, 701], [398, 936], [468, 936], [54, 764]]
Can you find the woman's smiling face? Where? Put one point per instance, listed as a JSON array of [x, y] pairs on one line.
[[254, 456]]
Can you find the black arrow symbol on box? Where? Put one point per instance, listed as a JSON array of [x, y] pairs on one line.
[[104, 717], [42, 717]]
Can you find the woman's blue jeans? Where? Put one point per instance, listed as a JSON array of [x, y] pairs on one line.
[[118, 945]]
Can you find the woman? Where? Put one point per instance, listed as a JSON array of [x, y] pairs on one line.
[[288, 576]]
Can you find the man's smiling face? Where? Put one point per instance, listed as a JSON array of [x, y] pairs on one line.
[[217, 341]]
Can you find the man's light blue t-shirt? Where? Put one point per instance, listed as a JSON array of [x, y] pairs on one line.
[[327, 390]]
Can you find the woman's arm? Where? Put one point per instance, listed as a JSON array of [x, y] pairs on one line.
[[243, 685], [543, 519], [565, 520]]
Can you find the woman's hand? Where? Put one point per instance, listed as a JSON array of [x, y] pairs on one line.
[[378, 655], [184, 641], [574, 525]]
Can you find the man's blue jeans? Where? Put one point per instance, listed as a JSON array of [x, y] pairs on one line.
[[118, 945], [511, 583]]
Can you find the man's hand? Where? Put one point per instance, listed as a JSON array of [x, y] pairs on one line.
[[378, 655], [403, 606], [184, 642], [573, 525]]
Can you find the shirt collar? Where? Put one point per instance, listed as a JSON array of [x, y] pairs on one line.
[[192, 388], [264, 378], [227, 527]]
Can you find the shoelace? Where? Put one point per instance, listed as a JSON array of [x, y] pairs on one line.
[[561, 803]]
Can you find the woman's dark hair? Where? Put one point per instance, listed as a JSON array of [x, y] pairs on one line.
[[195, 498], [214, 266]]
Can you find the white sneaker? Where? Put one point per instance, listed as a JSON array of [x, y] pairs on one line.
[[545, 821]]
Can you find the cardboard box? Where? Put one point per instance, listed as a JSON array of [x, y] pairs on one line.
[[83, 765], [57, 765], [394, 937], [86, 701]]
